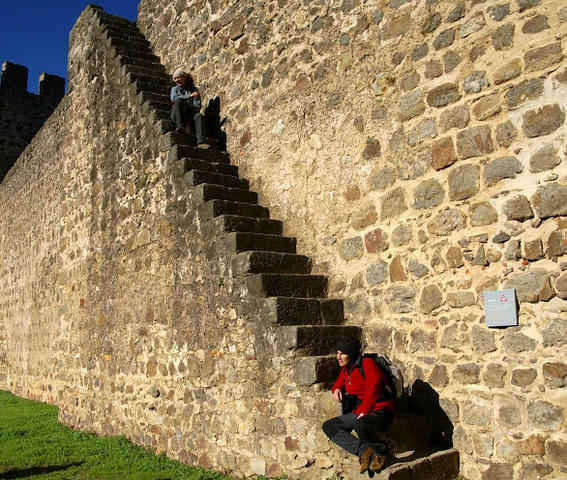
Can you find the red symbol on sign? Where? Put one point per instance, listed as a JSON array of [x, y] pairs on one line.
[[503, 298]]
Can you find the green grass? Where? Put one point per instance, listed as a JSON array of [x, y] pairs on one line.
[[33, 445]]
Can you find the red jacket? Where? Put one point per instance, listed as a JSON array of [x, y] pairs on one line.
[[369, 389]]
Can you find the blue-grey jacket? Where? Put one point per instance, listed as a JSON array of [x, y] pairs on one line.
[[179, 91]]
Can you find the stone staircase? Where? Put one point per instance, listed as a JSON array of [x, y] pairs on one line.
[[294, 299], [266, 260]]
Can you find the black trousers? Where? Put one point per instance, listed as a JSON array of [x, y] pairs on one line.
[[339, 430], [183, 113]]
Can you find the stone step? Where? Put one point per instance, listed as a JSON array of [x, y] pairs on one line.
[[109, 18], [314, 340], [215, 208], [147, 60], [123, 29], [153, 78], [196, 177], [305, 311], [143, 71], [128, 43], [441, 465], [215, 167], [235, 223], [246, 241], [177, 151], [216, 192], [282, 285], [316, 369], [152, 84], [270, 262], [124, 32], [137, 57], [154, 98]]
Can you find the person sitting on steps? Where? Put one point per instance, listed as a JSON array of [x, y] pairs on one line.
[[186, 107], [365, 408]]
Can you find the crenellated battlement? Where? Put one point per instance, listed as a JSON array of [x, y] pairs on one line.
[[22, 113], [14, 80]]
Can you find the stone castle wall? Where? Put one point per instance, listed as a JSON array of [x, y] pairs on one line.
[[417, 150], [402, 142], [23, 113]]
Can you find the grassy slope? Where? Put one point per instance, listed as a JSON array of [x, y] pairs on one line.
[[33, 445]]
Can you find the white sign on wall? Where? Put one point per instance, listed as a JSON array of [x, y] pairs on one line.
[[500, 308]]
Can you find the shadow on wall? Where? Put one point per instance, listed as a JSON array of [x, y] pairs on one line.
[[425, 400], [213, 123], [420, 427]]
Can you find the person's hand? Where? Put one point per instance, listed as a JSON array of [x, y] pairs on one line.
[[195, 94], [338, 394], [360, 415]]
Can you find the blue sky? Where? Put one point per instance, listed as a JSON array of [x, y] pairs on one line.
[[35, 33]]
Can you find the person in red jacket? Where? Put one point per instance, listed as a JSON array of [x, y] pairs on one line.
[[366, 410]]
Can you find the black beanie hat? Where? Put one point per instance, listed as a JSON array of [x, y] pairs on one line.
[[350, 346]]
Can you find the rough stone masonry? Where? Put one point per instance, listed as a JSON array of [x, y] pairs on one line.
[[416, 150]]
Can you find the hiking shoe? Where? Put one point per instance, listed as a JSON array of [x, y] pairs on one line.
[[377, 463], [365, 458], [203, 146]]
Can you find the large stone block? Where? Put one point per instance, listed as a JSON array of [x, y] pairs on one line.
[[377, 273], [443, 153], [506, 133], [393, 204], [543, 57], [503, 37], [428, 194], [557, 451], [515, 343], [555, 333], [531, 286], [411, 105], [464, 182], [351, 249], [508, 71], [527, 90], [545, 416], [483, 214], [475, 142], [550, 200], [443, 95], [543, 121], [431, 299], [401, 299], [444, 39], [555, 374], [546, 158], [376, 241], [536, 24], [487, 107], [518, 208], [446, 222], [457, 117]]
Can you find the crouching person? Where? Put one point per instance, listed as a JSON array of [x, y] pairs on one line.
[[366, 408], [186, 107]]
